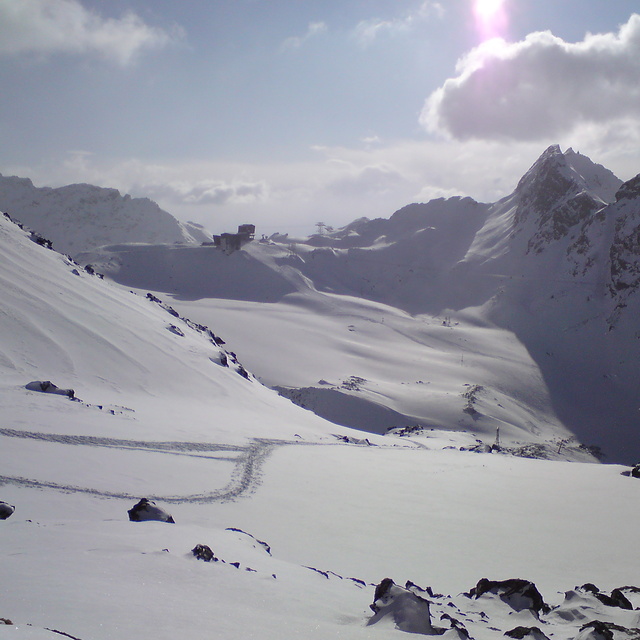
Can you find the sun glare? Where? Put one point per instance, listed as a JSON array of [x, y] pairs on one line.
[[491, 18], [486, 9]]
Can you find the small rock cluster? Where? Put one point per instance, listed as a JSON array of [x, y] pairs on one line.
[[494, 606]]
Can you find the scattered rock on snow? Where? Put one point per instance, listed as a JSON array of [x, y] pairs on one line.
[[148, 510], [409, 611], [260, 543], [518, 594], [6, 510], [526, 633], [598, 630], [456, 626], [616, 599], [46, 386], [352, 440], [203, 552], [177, 330]]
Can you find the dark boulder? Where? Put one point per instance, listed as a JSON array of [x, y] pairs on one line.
[[598, 630], [148, 510], [517, 593], [46, 386], [616, 599], [6, 510], [455, 625], [409, 611], [526, 633], [203, 552]]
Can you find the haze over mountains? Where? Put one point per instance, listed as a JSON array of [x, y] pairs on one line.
[[552, 270], [457, 323], [78, 217]]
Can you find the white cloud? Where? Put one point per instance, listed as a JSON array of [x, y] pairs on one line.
[[540, 87], [367, 31], [295, 42], [214, 192], [339, 184], [367, 181], [47, 27]]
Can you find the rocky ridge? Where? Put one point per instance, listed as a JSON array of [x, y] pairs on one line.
[[80, 217]]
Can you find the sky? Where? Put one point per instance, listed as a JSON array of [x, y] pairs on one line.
[[285, 113]]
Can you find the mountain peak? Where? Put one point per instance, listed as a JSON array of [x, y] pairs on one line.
[[80, 217], [554, 174], [630, 189], [558, 192]]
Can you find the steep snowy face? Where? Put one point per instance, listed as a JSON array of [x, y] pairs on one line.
[[608, 249], [559, 192], [80, 217], [624, 254], [545, 214]]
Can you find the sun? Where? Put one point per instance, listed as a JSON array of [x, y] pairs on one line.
[[491, 18], [486, 9]]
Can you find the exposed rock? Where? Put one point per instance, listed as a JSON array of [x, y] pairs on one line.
[[409, 611], [177, 330], [5, 621], [6, 510], [322, 573], [616, 599], [260, 543], [530, 633], [46, 386], [148, 510], [518, 594], [629, 190], [635, 472], [456, 625], [203, 552], [596, 630]]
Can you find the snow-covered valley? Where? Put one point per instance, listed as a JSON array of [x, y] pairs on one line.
[[304, 514], [520, 300]]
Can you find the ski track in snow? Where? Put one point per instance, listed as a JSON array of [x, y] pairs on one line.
[[244, 478]]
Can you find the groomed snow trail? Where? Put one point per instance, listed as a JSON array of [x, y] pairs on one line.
[[244, 477]]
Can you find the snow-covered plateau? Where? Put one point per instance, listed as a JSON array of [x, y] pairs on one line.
[[463, 363]]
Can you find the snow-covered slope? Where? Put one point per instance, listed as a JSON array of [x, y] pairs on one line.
[[531, 299], [63, 324], [359, 363], [79, 217], [302, 525]]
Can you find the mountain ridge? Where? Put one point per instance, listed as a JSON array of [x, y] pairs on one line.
[[79, 217], [553, 264]]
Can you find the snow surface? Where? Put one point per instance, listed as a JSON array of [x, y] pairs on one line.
[[532, 301], [158, 415]]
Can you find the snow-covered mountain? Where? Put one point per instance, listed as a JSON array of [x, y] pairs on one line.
[[536, 295], [284, 525], [279, 529], [79, 217], [263, 490]]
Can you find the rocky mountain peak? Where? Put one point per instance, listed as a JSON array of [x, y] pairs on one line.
[[629, 190], [559, 192]]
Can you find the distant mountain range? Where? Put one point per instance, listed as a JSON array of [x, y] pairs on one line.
[[549, 274], [79, 217]]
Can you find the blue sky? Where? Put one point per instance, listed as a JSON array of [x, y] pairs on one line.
[[286, 112]]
